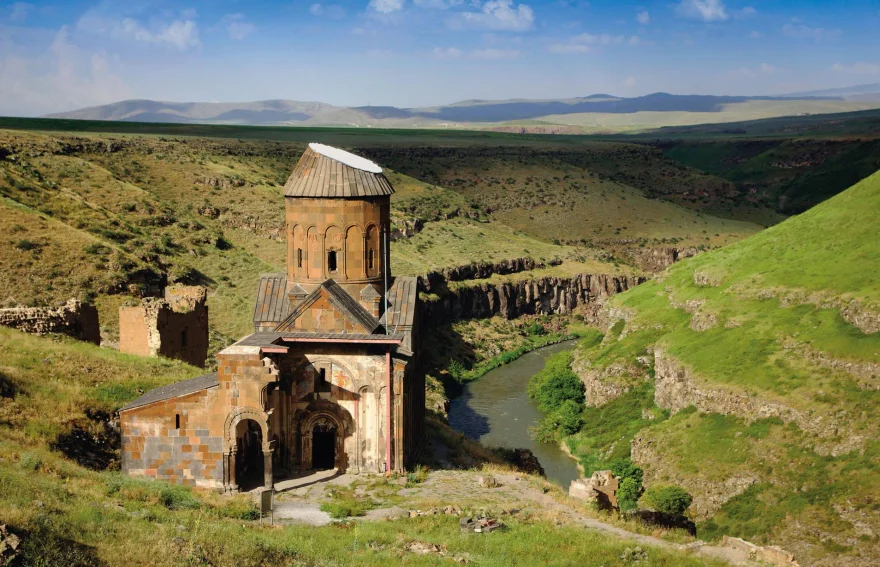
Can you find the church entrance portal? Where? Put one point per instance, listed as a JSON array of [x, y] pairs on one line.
[[323, 447], [249, 457]]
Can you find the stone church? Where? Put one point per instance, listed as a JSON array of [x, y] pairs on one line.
[[329, 378]]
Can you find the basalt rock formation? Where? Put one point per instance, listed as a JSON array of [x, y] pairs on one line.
[[543, 296]]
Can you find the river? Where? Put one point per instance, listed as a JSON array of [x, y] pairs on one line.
[[495, 410]]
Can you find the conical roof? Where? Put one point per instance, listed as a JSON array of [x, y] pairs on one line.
[[328, 172]]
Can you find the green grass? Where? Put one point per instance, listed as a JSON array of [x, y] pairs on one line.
[[68, 515], [776, 298]]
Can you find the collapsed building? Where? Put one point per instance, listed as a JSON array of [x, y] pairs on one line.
[[329, 378]]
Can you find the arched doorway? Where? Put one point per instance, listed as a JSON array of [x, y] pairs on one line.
[[249, 462], [324, 445]]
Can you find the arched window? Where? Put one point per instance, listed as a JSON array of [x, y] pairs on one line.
[[331, 260], [370, 259], [299, 257]]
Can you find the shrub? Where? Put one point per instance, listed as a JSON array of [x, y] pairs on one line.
[[673, 500], [628, 494], [556, 383], [535, 329], [26, 245], [568, 417]]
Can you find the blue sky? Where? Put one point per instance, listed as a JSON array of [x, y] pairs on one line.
[[57, 56]]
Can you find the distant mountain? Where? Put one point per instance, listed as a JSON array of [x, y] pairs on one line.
[[469, 112], [858, 92]]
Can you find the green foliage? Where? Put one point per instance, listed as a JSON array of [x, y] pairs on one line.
[[555, 384], [418, 475], [31, 461], [628, 494], [26, 245], [604, 440], [670, 499], [535, 329], [344, 502]]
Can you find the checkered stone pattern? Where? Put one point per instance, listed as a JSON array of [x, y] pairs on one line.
[[154, 447]]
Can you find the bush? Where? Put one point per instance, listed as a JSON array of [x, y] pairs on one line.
[[535, 329], [568, 417], [26, 245], [628, 494], [673, 500], [556, 383]]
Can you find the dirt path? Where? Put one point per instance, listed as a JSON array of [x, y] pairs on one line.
[[515, 493]]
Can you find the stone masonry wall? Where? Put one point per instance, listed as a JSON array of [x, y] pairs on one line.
[[74, 318], [174, 327], [154, 447]]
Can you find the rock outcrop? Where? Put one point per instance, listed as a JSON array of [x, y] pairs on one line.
[[483, 270], [708, 495], [658, 259], [548, 295], [74, 318]]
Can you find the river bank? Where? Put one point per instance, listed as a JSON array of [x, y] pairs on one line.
[[496, 411]]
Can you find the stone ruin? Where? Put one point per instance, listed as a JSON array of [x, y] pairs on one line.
[[767, 554], [175, 326], [74, 318], [600, 488]]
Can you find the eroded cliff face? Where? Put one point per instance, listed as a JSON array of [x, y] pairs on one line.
[[482, 270], [549, 295], [709, 495], [677, 387], [658, 259]]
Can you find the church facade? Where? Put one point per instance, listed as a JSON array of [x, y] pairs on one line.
[[329, 378]]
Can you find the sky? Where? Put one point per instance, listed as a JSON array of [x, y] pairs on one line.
[[63, 55]]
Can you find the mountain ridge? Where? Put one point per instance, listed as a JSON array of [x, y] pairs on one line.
[[474, 112]]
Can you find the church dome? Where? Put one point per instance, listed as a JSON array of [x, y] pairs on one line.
[[328, 172]]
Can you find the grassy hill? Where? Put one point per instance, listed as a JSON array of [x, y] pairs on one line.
[[105, 218], [62, 495], [750, 375]]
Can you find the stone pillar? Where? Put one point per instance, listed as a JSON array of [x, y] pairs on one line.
[[231, 460], [267, 469]]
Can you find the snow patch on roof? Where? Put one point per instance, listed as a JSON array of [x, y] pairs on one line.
[[345, 157]]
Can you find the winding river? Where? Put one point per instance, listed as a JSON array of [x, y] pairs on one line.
[[495, 410]]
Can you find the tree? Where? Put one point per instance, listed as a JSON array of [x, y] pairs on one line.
[[671, 499]]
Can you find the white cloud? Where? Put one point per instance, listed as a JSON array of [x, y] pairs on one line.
[[62, 78], [705, 10], [750, 73], [19, 11], [747, 12], [857, 68], [236, 27], [386, 6], [502, 15], [488, 53], [586, 42], [643, 18], [756, 35], [496, 53], [180, 34], [447, 52], [439, 4], [333, 11], [629, 81], [806, 32]]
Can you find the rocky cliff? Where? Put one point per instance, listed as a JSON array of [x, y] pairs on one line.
[[548, 295]]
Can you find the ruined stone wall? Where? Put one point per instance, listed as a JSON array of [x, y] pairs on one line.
[[154, 447], [74, 318], [174, 327], [549, 295]]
